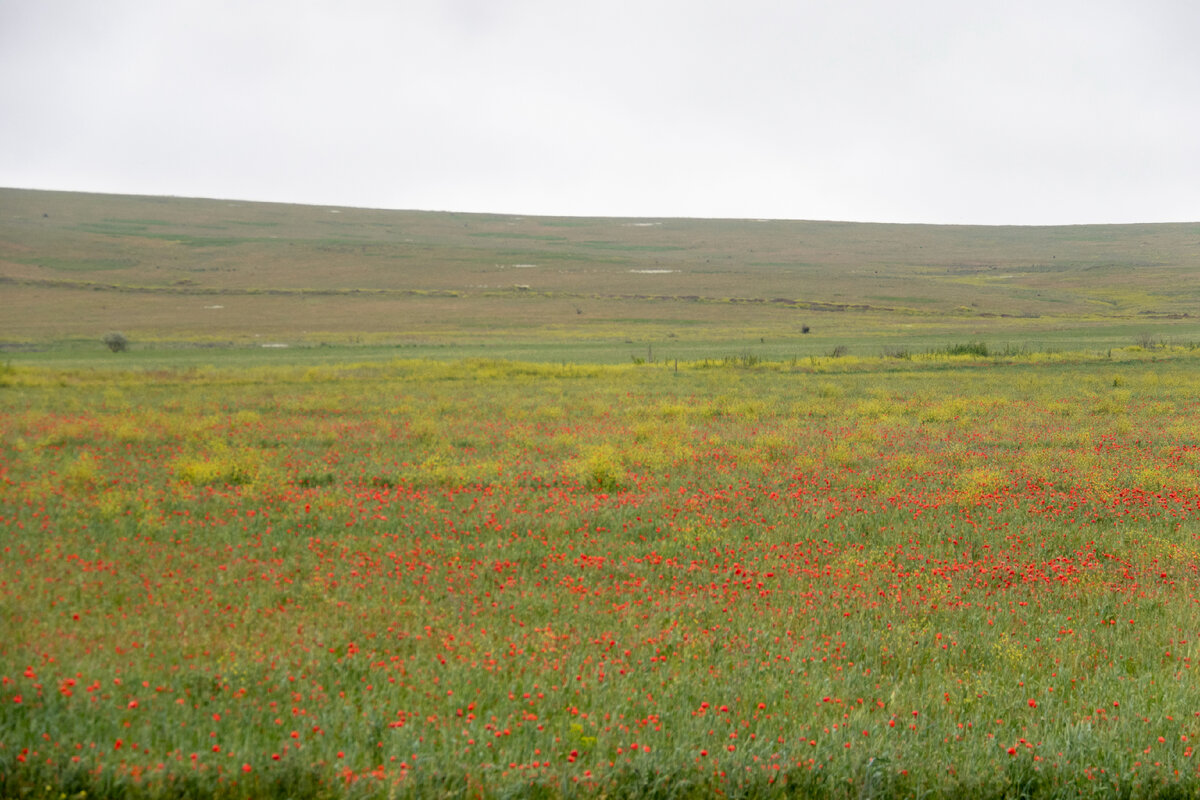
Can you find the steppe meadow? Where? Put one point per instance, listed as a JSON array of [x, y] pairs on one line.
[[392, 504]]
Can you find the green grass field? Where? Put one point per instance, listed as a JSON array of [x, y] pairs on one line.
[[459, 539]]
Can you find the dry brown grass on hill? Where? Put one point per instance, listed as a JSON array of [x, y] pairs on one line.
[[74, 263]]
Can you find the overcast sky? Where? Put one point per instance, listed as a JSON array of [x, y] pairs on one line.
[[955, 111]]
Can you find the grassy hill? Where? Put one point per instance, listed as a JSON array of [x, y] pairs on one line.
[[174, 271]]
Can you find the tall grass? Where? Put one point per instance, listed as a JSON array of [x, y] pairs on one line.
[[851, 579]]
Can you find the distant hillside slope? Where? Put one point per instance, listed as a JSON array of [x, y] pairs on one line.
[[72, 264]]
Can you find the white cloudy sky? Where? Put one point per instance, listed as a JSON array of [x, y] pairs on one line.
[[977, 111]]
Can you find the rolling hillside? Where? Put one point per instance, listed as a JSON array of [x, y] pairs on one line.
[[175, 270]]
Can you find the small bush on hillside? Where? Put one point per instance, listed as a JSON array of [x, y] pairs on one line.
[[964, 349], [1147, 341], [116, 342]]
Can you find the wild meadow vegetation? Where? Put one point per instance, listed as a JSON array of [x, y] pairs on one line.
[[574, 541], [833, 578]]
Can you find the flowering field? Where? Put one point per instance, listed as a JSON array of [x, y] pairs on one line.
[[829, 578]]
